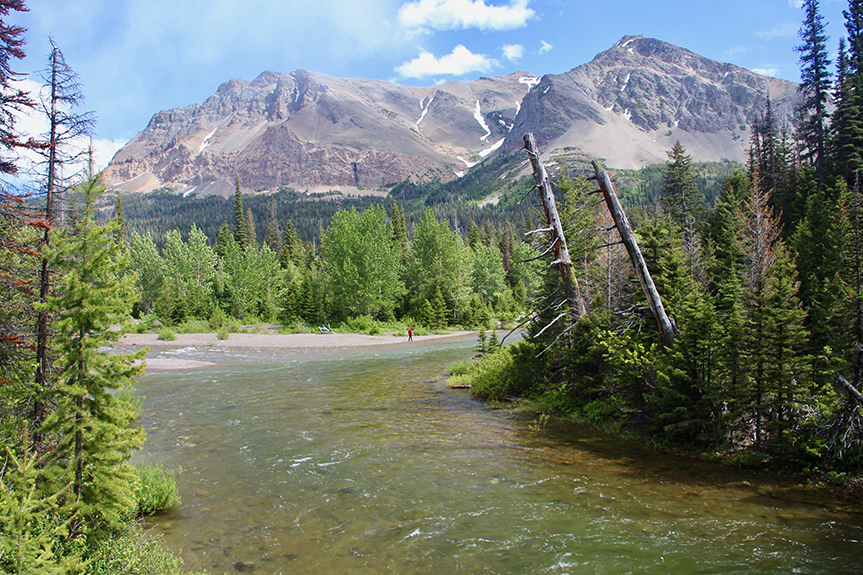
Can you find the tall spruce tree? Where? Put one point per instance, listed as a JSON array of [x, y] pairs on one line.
[[814, 89], [272, 237], [680, 194], [241, 230], [90, 427]]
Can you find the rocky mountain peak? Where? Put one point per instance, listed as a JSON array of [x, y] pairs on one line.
[[314, 132]]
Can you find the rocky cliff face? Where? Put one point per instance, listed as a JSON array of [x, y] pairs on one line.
[[315, 132], [632, 102], [310, 131]]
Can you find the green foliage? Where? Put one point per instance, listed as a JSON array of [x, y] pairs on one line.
[[439, 271], [133, 552], [156, 488], [459, 368], [32, 524], [362, 269], [459, 380], [223, 333], [92, 438], [496, 375], [362, 324], [166, 334]]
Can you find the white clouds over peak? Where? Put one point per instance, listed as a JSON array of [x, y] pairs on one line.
[[513, 52], [461, 61], [463, 14], [545, 47]]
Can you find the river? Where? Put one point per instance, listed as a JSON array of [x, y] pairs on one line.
[[360, 460]]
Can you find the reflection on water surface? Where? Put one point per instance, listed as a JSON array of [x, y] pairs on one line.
[[361, 461]]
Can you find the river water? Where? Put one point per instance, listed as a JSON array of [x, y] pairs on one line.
[[359, 460]]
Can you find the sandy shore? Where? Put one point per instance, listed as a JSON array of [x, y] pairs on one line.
[[260, 341]]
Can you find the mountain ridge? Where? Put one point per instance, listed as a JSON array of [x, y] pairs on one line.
[[313, 132]]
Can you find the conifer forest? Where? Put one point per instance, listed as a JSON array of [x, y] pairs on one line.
[[759, 266]]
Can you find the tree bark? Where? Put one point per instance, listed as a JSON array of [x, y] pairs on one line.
[[666, 326], [577, 307]]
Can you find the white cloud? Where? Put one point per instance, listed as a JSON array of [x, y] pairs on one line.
[[771, 72], [545, 47], [461, 61], [796, 3], [513, 52], [784, 30], [462, 14]]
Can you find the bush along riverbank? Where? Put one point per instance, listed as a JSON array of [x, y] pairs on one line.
[[621, 387]]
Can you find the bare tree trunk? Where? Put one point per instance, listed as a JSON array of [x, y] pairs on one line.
[[666, 326], [577, 307], [42, 361]]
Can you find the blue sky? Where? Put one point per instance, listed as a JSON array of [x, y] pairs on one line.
[[137, 57]]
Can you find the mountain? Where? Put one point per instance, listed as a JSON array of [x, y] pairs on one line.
[[314, 132], [631, 103]]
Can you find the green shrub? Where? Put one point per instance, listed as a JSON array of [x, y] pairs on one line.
[[459, 368], [156, 489], [223, 333], [132, 552], [459, 380], [193, 326], [494, 375], [295, 327], [361, 324], [145, 324], [166, 334]]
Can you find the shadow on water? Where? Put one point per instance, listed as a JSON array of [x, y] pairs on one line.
[[360, 460]]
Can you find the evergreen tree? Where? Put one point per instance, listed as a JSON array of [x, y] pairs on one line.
[[680, 194], [273, 238], [90, 425], [847, 122], [473, 236], [32, 529], [13, 100], [121, 221], [223, 239], [250, 235], [292, 248], [399, 229], [241, 229], [814, 88], [774, 337]]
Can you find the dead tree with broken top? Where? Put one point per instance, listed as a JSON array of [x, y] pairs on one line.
[[627, 237], [557, 239]]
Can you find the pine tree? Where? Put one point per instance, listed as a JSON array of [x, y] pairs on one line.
[[90, 425], [241, 230], [680, 194], [399, 229], [814, 89], [273, 238], [222, 240], [13, 100], [774, 337], [846, 129], [292, 248], [121, 221], [250, 235], [31, 524]]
